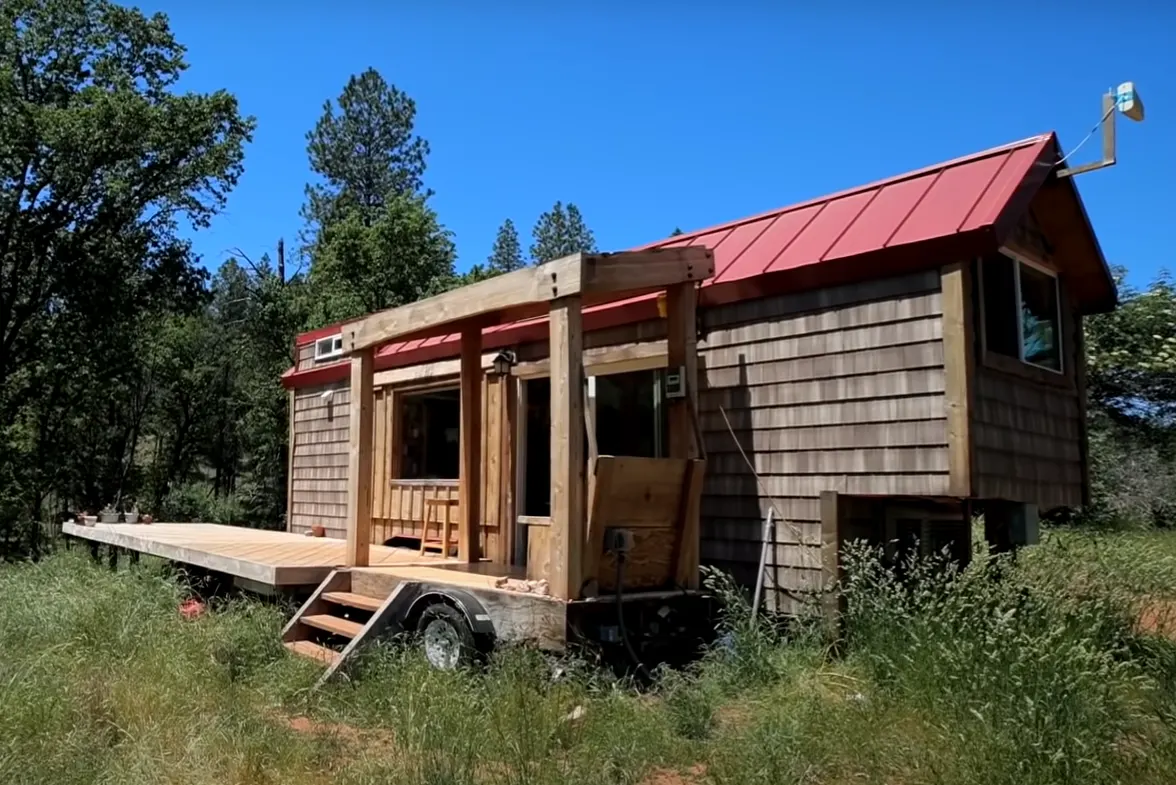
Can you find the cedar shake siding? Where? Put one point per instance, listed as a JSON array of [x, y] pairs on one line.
[[837, 389], [318, 486]]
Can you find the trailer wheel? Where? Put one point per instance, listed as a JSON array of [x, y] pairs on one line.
[[446, 637]]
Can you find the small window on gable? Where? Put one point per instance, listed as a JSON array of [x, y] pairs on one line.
[[328, 348], [1022, 314]]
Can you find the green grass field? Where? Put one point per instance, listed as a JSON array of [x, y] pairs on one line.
[[1036, 671]]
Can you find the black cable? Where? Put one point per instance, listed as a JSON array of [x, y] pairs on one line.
[[621, 619]]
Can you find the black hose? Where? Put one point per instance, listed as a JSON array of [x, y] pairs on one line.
[[621, 620]]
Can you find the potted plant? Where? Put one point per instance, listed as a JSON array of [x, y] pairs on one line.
[[108, 515], [132, 515]]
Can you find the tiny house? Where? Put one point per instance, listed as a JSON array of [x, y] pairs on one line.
[[881, 363]]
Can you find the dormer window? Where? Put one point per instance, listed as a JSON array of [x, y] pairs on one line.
[[328, 348]]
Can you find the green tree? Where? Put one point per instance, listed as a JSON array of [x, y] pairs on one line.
[[507, 254], [404, 254], [102, 157], [559, 232], [365, 151], [374, 242], [677, 231], [1131, 372]]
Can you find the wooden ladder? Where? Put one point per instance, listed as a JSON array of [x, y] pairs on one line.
[[334, 622]]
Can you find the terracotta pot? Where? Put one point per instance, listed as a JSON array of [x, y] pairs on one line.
[[317, 530]]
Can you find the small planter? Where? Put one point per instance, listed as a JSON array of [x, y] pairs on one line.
[[108, 517], [130, 517]]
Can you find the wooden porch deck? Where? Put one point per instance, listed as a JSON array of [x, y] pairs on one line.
[[272, 558]]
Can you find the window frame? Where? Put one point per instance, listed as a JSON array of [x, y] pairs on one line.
[[398, 410], [1018, 260], [334, 344]]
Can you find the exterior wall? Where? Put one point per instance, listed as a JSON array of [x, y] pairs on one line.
[[1029, 425], [319, 455], [839, 389], [318, 484]]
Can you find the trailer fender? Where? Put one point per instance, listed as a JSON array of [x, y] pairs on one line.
[[470, 606]]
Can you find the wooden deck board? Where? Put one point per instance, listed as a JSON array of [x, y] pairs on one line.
[[269, 557]]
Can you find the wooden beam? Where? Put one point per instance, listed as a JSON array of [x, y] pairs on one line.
[[567, 448], [831, 514], [290, 465], [359, 464], [469, 527], [587, 274], [682, 352], [605, 360], [959, 361], [653, 269]]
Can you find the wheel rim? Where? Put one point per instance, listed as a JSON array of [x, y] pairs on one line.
[[442, 645]]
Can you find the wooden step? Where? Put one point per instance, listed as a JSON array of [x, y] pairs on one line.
[[333, 624], [361, 601], [313, 651]]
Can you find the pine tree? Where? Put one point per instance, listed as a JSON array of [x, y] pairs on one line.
[[364, 150], [677, 231], [559, 232], [374, 241], [507, 254]]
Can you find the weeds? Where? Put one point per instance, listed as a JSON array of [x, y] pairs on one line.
[[1031, 670]]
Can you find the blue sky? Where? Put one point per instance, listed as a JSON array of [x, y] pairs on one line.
[[654, 115]]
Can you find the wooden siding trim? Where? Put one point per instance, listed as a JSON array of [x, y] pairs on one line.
[[959, 373]]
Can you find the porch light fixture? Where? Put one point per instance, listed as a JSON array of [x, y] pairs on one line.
[[504, 361]]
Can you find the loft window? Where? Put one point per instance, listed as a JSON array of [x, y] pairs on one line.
[[328, 348], [1022, 317], [430, 445]]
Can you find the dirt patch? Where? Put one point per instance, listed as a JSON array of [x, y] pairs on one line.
[[695, 775], [379, 741], [1158, 617]]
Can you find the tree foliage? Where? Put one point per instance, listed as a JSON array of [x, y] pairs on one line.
[[374, 241], [559, 232], [507, 253], [365, 151], [102, 157]]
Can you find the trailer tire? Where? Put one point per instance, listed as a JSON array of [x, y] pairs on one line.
[[446, 637]]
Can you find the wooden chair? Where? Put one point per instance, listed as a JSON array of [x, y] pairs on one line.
[[444, 539]]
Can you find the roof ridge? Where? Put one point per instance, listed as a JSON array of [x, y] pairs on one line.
[[892, 180]]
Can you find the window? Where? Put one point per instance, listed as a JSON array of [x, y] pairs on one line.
[[1022, 318], [328, 348], [430, 444]]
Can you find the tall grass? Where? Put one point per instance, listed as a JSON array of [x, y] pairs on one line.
[[1029, 671]]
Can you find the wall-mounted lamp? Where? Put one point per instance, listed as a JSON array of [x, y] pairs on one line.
[[504, 361]]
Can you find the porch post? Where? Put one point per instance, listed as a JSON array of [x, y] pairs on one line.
[[682, 354], [469, 493], [359, 463], [566, 339]]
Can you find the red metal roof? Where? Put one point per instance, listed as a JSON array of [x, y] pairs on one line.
[[849, 235], [961, 195]]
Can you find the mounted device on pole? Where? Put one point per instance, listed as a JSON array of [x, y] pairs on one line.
[[1122, 100]]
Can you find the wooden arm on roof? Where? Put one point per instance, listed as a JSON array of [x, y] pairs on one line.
[[585, 274]]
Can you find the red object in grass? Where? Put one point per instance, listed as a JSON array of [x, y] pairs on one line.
[[190, 609]]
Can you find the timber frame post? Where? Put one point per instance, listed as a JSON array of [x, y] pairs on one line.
[[568, 493], [359, 462], [682, 354], [469, 492]]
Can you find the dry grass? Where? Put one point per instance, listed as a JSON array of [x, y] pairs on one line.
[[1017, 674]]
